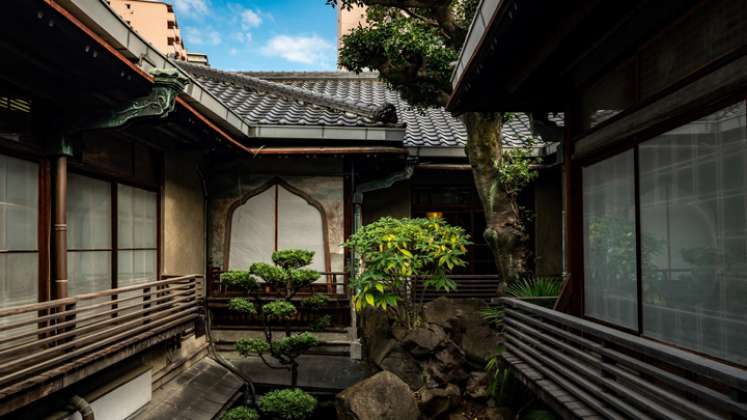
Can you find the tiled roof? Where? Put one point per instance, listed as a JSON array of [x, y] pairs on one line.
[[339, 99]]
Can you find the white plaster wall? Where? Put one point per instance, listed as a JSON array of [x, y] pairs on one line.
[[123, 401]]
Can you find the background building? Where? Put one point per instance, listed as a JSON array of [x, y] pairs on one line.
[[347, 20], [155, 21]]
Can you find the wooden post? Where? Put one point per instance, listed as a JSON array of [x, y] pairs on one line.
[[60, 228]]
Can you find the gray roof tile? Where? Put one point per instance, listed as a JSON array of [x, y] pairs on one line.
[[341, 99]]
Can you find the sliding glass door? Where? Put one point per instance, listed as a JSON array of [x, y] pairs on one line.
[[689, 279], [19, 214]]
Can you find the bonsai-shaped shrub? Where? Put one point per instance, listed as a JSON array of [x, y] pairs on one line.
[[287, 276], [240, 413], [282, 404], [287, 404], [397, 253]]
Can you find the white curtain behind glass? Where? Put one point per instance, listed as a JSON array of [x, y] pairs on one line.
[[694, 235], [253, 231], [136, 235], [610, 285], [89, 216], [19, 191]]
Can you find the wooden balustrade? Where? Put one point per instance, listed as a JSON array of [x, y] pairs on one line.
[[590, 370], [42, 340], [335, 285], [479, 286]]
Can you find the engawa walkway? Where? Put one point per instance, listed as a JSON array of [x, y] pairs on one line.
[[199, 393]]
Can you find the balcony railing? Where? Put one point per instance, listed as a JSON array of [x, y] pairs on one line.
[[43, 341], [478, 286], [586, 369], [332, 284]]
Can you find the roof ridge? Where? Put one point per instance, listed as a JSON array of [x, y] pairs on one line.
[[383, 113], [313, 75]]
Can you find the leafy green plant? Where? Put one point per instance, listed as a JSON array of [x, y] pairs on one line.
[[287, 404], [493, 314], [321, 323], [394, 252], [535, 287], [516, 170], [314, 302], [241, 413], [287, 276]]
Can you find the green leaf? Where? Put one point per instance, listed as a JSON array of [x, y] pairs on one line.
[[369, 299]]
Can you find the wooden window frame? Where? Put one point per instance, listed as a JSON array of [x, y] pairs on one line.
[[601, 155], [114, 249], [43, 235], [275, 182]]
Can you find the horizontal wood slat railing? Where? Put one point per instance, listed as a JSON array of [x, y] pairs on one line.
[[479, 286], [615, 374], [335, 285], [41, 340]]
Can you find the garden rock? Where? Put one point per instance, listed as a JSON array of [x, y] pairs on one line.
[[381, 397], [465, 325], [424, 340], [402, 364], [479, 341], [448, 365], [477, 385], [434, 402], [375, 332]]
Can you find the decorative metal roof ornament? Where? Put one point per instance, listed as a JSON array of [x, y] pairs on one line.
[[158, 104]]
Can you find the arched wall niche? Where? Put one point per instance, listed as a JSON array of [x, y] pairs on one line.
[[287, 207]]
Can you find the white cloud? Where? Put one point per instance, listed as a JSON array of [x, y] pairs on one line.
[[191, 7], [202, 37], [243, 38], [250, 19], [299, 49]]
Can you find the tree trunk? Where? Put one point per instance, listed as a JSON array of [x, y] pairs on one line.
[[503, 231]]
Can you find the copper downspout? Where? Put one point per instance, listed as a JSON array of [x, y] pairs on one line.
[[60, 228], [81, 406]]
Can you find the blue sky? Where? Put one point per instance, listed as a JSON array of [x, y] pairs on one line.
[[260, 34]]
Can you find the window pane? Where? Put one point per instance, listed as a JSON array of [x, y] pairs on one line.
[[135, 267], [609, 240], [19, 285], [694, 235], [19, 279], [89, 213], [253, 231], [89, 271], [300, 226], [137, 215], [19, 192]]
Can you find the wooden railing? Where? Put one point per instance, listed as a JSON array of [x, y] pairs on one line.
[[43, 340], [592, 370], [335, 288], [479, 286], [335, 285]]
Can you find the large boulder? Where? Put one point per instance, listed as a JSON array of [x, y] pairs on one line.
[[401, 363], [479, 341], [446, 366], [381, 397], [376, 333], [462, 321], [435, 401], [424, 340]]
